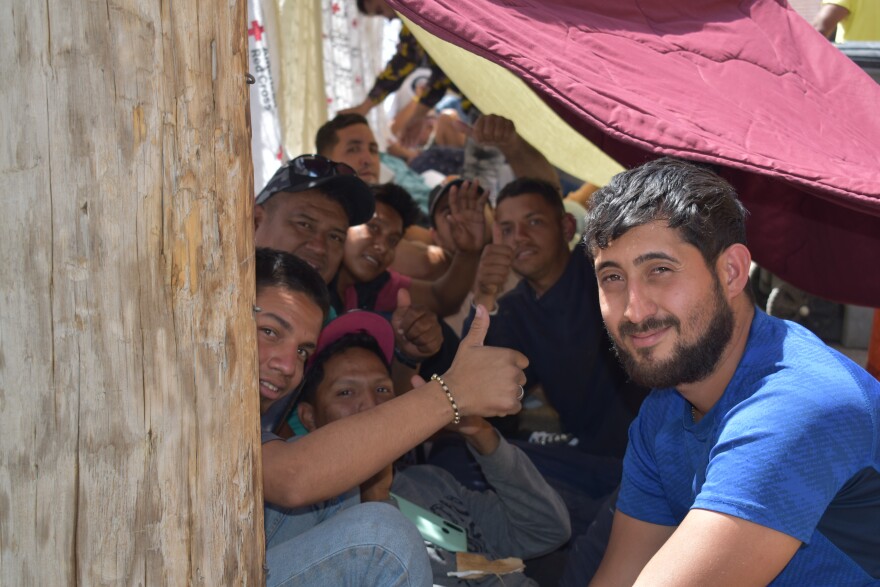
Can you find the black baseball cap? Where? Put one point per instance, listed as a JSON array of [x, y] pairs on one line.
[[337, 180], [441, 190]]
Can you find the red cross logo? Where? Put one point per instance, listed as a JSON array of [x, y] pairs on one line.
[[335, 8], [256, 31]]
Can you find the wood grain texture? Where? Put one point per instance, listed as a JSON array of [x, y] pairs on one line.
[[129, 447]]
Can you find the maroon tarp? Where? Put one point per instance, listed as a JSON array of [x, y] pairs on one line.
[[749, 86]]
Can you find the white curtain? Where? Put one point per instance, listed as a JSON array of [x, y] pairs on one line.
[[302, 101], [266, 147], [310, 59], [353, 56]]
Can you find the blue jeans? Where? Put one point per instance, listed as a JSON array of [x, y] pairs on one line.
[[367, 544], [283, 524]]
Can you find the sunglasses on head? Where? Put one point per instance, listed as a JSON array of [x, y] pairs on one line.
[[318, 166]]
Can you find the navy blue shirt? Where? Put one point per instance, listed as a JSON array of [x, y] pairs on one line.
[[569, 354]]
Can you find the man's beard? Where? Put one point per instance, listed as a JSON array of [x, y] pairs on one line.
[[689, 363]]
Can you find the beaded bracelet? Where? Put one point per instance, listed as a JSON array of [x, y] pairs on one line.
[[451, 399]]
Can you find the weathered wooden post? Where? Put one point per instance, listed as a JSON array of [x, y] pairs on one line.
[[129, 449]]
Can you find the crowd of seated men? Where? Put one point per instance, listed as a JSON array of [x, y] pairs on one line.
[[453, 386]]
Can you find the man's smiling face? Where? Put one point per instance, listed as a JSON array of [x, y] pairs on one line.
[[288, 325], [369, 248], [663, 307], [308, 224], [534, 229], [358, 148]]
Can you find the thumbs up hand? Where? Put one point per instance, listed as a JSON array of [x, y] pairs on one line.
[[485, 381], [417, 332], [493, 270]]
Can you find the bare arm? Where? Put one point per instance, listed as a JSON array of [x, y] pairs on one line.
[[407, 57], [378, 487], [419, 260], [718, 549], [412, 128], [445, 295], [523, 158], [708, 548], [406, 113], [343, 454], [479, 434], [493, 270], [632, 544], [828, 17]]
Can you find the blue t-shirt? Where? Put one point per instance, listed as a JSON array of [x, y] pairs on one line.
[[793, 444]]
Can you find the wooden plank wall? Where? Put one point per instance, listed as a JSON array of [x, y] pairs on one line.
[[129, 448]]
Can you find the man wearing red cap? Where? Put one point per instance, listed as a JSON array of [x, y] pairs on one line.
[[522, 516], [291, 306]]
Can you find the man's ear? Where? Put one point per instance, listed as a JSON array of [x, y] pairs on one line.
[[569, 226], [733, 269], [259, 215], [306, 413]]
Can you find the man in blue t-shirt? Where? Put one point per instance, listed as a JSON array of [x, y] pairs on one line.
[[756, 458]]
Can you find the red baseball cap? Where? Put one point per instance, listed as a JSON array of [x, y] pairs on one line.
[[357, 321]]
